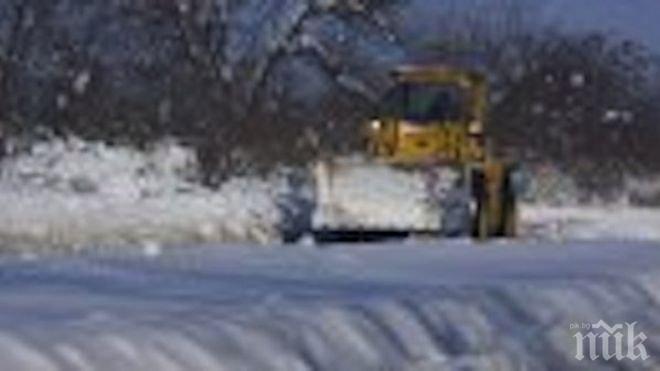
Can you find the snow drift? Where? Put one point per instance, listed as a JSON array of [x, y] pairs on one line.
[[73, 193], [384, 307]]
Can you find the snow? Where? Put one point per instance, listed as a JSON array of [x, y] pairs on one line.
[[578, 80], [354, 193], [81, 82], [435, 306], [73, 193], [208, 303], [619, 223]]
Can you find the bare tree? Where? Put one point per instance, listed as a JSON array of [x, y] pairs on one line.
[[237, 86], [580, 101], [18, 21]]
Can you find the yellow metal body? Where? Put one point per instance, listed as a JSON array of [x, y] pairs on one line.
[[459, 141], [496, 214]]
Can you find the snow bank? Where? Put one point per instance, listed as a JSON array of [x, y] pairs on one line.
[[601, 223], [73, 193], [554, 208], [69, 193]]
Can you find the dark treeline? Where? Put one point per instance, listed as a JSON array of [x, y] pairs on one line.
[[252, 84]]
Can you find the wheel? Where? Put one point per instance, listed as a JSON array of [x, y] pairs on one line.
[[480, 220], [509, 206], [496, 210]]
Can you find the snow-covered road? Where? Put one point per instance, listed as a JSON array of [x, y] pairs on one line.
[[432, 306]]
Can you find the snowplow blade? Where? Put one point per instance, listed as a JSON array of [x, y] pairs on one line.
[[363, 200]]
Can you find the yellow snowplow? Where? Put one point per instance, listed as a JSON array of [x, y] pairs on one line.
[[427, 167]]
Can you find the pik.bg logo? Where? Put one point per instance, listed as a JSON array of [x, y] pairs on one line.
[[619, 342]]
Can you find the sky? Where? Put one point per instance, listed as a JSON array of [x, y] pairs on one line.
[[638, 20], [635, 19]]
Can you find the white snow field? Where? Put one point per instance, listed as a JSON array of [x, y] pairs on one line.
[[438, 306]]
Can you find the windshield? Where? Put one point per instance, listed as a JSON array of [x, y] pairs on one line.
[[416, 102]]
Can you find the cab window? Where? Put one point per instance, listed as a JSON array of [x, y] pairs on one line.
[[424, 103]]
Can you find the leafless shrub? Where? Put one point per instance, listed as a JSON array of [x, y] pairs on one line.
[[581, 101]]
